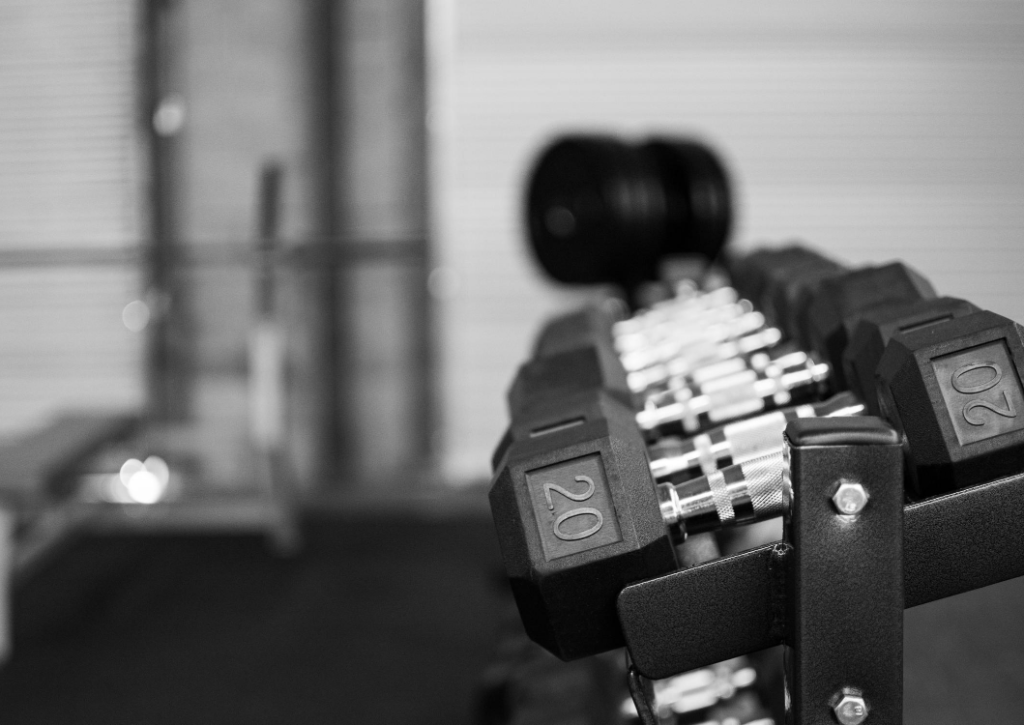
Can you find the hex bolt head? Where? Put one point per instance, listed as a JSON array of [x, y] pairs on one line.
[[850, 498], [851, 710]]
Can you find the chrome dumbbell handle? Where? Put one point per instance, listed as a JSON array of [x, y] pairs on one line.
[[740, 494], [734, 397], [743, 440]]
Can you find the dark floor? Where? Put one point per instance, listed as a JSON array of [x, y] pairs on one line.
[[964, 658], [381, 619]]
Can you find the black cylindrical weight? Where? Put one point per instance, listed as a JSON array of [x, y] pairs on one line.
[[698, 208], [594, 211], [601, 210]]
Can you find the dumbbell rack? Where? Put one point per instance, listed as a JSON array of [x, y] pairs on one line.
[[834, 589]]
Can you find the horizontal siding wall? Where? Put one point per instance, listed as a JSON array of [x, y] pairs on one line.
[[69, 178], [872, 130]]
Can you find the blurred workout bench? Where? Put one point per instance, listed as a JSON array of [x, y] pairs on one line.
[[35, 488]]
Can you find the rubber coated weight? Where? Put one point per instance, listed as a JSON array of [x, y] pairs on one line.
[[595, 211], [602, 210], [583, 328], [953, 389], [548, 380], [578, 518], [787, 292], [698, 201], [776, 281], [838, 303], [873, 332]]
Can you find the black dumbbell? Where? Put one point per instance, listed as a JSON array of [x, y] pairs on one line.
[[837, 299], [675, 459], [778, 280], [818, 302], [838, 302], [708, 337], [873, 331], [858, 293], [600, 209], [587, 327], [565, 374], [791, 379], [953, 390], [943, 446], [698, 209], [675, 338], [578, 518], [684, 458], [578, 351]]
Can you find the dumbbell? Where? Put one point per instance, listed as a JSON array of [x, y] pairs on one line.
[[593, 365], [579, 517], [592, 325], [710, 328], [675, 459], [577, 350], [953, 391], [853, 316], [850, 294], [831, 305], [973, 359], [873, 331], [576, 353], [555, 491], [599, 209], [701, 356], [818, 302], [948, 450], [723, 336], [650, 325], [689, 410], [778, 281]]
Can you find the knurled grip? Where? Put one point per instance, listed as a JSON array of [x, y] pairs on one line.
[[722, 498], [769, 496], [754, 437]]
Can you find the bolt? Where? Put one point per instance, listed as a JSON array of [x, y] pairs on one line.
[[850, 498], [851, 710]]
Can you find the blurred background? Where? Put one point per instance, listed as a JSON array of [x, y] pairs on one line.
[[263, 284]]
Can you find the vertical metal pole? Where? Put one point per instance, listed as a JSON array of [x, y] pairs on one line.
[[425, 406], [325, 299], [844, 656], [166, 367], [380, 191]]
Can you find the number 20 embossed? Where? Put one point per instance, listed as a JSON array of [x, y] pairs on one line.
[[557, 530], [958, 383]]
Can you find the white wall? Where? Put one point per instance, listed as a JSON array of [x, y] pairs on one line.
[[873, 130], [70, 178]]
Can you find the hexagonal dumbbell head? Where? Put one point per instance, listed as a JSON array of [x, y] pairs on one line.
[[873, 332], [578, 518], [545, 384], [954, 390], [757, 272], [788, 286], [587, 327], [838, 303], [545, 379]]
